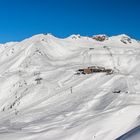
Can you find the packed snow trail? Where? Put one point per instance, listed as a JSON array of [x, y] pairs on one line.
[[42, 95]]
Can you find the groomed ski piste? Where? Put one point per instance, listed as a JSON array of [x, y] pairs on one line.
[[47, 91]]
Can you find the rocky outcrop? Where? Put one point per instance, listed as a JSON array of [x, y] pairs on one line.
[[126, 40], [100, 37]]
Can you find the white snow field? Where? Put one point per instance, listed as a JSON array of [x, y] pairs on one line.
[[43, 96]]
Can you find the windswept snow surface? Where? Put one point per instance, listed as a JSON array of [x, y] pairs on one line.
[[42, 97]]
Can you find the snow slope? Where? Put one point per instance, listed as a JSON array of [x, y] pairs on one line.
[[42, 97]]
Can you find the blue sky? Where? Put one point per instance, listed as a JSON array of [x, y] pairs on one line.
[[20, 19]]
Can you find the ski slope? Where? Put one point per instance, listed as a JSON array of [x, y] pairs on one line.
[[43, 98]]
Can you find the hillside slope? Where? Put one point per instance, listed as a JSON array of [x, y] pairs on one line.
[[48, 92]]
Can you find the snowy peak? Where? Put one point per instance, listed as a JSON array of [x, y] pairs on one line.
[[122, 40], [74, 36], [125, 39]]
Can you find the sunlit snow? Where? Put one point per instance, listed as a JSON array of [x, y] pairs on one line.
[[42, 97]]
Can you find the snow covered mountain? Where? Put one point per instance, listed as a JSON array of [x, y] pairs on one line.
[[77, 88]]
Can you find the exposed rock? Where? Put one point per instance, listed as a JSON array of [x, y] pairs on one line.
[[100, 37], [126, 40]]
